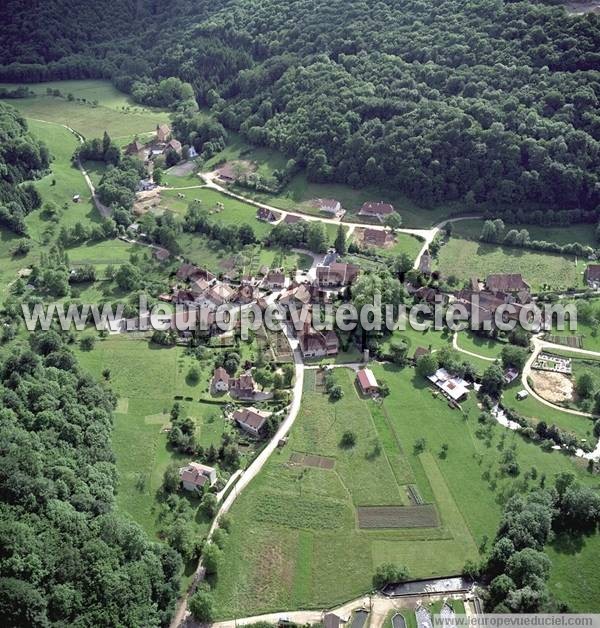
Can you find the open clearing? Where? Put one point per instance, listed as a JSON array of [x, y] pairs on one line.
[[464, 259], [582, 233], [294, 560], [554, 387], [114, 113]]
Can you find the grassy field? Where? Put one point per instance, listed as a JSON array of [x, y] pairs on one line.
[[234, 213], [64, 181], [533, 409], [584, 234], [487, 347], [146, 396], [310, 536], [300, 519], [464, 259], [115, 112]]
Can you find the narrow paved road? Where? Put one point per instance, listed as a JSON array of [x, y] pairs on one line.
[[248, 474]]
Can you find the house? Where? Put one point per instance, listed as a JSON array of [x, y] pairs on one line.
[[510, 374], [251, 420], [592, 276], [175, 146], [426, 294], [291, 219], [506, 282], [336, 274], [163, 133], [317, 344], [199, 286], [185, 271], [134, 148], [243, 386], [376, 237], [220, 380], [378, 210], [425, 263], [367, 382], [274, 280], [298, 295], [420, 352], [195, 476], [329, 205], [226, 172], [267, 215], [455, 388], [246, 293]]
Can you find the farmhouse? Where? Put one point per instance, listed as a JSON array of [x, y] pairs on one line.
[[274, 280], [329, 205], [291, 219], [425, 263], [505, 282], [220, 380], [242, 387], [163, 133], [297, 296], [454, 388], [377, 210], [174, 145], [592, 276], [376, 237], [317, 344], [135, 148], [367, 382], [267, 215], [226, 172], [337, 274], [195, 476], [250, 420], [246, 293]]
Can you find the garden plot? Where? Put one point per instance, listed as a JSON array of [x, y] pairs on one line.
[[375, 517]]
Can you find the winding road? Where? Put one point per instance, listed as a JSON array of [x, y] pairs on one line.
[[248, 474]]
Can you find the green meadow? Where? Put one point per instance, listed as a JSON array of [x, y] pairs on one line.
[[464, 259], [299, 548], [114, 113]]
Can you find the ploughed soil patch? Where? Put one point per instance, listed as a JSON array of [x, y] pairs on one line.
[[312, 460], [419, 516], [554, 387]]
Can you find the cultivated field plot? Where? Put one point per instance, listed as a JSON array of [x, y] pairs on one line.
[[464, 259], [568, 341], [423, 516], [311, 460]]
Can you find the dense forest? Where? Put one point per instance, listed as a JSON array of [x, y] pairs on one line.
[[67, 558], [483, 101], [21, 158]]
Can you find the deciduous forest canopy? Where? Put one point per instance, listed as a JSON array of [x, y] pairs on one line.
[[484, 101]]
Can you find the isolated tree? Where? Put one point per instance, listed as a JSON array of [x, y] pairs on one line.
[[492, 381], [340, 240], [171, 478], [202, 606], [348, 440], [210, 558], [393, 221], [514, 356], [585, 385], [427, 365]]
